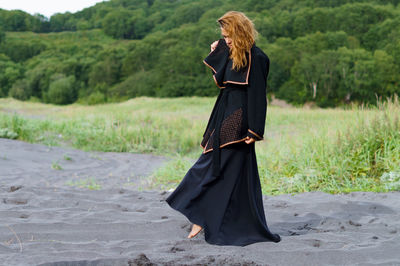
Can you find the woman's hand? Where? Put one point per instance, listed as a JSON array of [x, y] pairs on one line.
[[214, 45], [249, 140]]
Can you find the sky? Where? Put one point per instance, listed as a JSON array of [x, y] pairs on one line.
[[47, 7]]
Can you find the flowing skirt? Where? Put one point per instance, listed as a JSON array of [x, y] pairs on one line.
[[228, 207]]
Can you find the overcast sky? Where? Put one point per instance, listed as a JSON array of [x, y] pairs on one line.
[[47, 7]]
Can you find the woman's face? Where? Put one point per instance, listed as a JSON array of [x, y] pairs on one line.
[[228, 40]]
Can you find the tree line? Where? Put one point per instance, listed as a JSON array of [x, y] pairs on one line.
[[327, 52]]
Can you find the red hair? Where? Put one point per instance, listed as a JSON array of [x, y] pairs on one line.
[[242, 32]]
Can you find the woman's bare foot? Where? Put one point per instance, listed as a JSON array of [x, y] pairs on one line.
[[195, 230]]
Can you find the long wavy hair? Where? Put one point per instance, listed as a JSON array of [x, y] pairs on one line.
[[243, 34]]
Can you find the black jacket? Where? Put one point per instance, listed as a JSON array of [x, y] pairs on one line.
[[241, 106]]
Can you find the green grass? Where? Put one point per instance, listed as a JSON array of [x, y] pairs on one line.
[[89, 183], [330, 150], [56, 166]]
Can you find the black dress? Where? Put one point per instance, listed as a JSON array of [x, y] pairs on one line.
[[221, 192]]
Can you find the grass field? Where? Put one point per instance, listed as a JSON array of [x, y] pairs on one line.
[[330, 150]]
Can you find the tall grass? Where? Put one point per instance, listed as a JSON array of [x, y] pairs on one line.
[[331, 150], [142, 125], [358, 156]]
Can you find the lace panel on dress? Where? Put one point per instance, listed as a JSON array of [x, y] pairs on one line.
[[230, 129]]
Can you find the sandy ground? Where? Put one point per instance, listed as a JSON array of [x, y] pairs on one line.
[[48, 216]]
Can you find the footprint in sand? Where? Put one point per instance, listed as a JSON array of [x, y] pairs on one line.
[[142, 209], [14, 188], [140, 259], [318, 244], [354, 223], [15, 201], [175, 249]]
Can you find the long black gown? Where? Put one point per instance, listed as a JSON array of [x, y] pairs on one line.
[[227, 203]]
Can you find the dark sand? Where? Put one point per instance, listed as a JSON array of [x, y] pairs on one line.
[[46, 221]]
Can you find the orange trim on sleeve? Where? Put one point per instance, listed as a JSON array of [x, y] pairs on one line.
[[254, 133], [215, 80], [215, 72], [225, 144], [209, 66]]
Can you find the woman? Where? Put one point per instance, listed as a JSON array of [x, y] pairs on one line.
[[221, 192]]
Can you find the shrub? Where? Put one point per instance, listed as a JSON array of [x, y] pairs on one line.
[[20, 90], [62, 90], [96, 98], [8, 133]]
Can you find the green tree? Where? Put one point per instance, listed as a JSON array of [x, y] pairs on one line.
[[352, 69], [108, 69], [20, 90], [142, 83], [356, 19], [125, 24], [386, 74], [21, 50], [382, 34], [310, 20], [187, 14], [39, 23], [2, 36], [61, 22], [329, 51], [62, 89], [15, 20], [10, 72]]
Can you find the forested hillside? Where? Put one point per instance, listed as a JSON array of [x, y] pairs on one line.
[[329, 52]]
